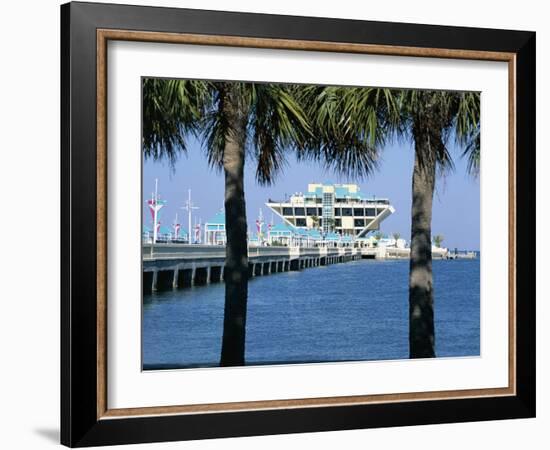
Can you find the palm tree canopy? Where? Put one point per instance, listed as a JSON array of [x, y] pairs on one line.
[[175, 109], [452, 114], [171, 110], [349, 126]]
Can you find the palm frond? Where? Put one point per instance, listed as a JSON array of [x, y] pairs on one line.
[[440, 115], [278, 124], [171, 110], [214, 129], [472, 152], [350, 126], [468, 130]]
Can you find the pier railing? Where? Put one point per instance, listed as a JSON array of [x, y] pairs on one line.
[[185, 251]]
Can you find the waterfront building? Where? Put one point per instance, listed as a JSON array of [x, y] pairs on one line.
[[339, 208], [282, 234], [182, 237], [178, 235], [391, 242], [332, 239], [214, 230], [165, 235], [147, 235]]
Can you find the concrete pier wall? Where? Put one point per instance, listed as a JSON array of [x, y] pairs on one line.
[[405, 253], [169, 266]]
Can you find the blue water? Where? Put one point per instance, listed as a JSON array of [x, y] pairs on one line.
[[352, 311]]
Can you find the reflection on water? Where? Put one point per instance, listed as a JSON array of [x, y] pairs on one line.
[[352, 311]]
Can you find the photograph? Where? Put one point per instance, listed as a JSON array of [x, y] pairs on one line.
[[306, 224]]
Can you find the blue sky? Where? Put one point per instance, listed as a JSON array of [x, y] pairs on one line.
[[455, 207]]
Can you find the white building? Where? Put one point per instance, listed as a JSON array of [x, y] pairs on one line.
[[337, 208]]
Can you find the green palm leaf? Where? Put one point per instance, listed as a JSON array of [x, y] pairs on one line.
[[171, 109]]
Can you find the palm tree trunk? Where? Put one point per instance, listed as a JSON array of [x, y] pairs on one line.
[[236, 259], [421, 312]]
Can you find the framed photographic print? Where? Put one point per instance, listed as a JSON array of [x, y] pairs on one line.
[[277, 224]]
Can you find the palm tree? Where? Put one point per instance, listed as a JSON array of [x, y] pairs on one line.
[[366, 117], [315, 221], [438, 239], [396, 236], [232, 119], [378, 235], [431, 119]]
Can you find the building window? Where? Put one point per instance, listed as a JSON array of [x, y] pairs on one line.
[[311, 211], [337, 211], [320, 212], [299, 212], [346, 212], [370, 212], [358, 212], [328, 211], [287, 212], [337, 222], [359, 222], [300, 222]]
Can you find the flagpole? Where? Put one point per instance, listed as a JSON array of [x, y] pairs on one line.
[[155, 211], [189, 207], [189, 204]]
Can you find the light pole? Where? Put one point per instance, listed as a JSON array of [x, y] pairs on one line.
[[189, 207]]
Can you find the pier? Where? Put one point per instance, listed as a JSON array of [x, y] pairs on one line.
[[172, 266], [405, 253]]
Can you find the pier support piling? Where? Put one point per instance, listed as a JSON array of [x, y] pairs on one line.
[[154, 281], [164, 280], [215, 274], [181, 278], [201, 275], [147, 282]]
